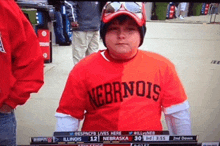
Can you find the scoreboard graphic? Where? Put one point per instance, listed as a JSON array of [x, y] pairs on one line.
[[112, 138]]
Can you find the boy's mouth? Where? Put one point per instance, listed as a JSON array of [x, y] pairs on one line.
[[121, 44]]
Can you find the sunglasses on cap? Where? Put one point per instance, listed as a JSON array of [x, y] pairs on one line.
[[136, 10]]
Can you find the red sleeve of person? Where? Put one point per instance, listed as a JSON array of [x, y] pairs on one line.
[[20, 57]]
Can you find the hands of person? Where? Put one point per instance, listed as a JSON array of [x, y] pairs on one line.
[[74, 24], [5, 109]]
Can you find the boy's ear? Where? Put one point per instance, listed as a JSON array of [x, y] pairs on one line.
[[143, 30]]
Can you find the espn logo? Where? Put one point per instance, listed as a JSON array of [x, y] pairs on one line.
[[43, 140]]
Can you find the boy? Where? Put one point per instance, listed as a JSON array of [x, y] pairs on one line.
[[123, 88]]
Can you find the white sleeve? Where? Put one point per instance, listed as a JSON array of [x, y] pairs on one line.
[[179, 123], [66, 123]]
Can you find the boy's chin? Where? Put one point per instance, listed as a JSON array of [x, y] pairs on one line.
[[124, 56]]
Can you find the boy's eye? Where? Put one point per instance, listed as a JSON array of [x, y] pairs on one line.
[[131, 28], [112, 28]]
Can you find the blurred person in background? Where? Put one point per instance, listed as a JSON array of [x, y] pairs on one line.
[[21, 66], [85, 20], [182, 6], [214, 8]]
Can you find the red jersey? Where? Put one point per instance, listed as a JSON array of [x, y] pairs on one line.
[[120, 96], [21, 59]]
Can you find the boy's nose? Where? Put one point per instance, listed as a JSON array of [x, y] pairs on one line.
[[121, 34]]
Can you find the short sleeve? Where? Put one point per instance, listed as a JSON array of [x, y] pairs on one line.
[[174, 98], [73, 99]]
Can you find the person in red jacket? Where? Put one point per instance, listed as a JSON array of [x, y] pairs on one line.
[[21, 66], [123, 88]]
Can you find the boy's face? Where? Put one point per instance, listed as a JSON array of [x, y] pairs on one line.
[[122, 39]]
